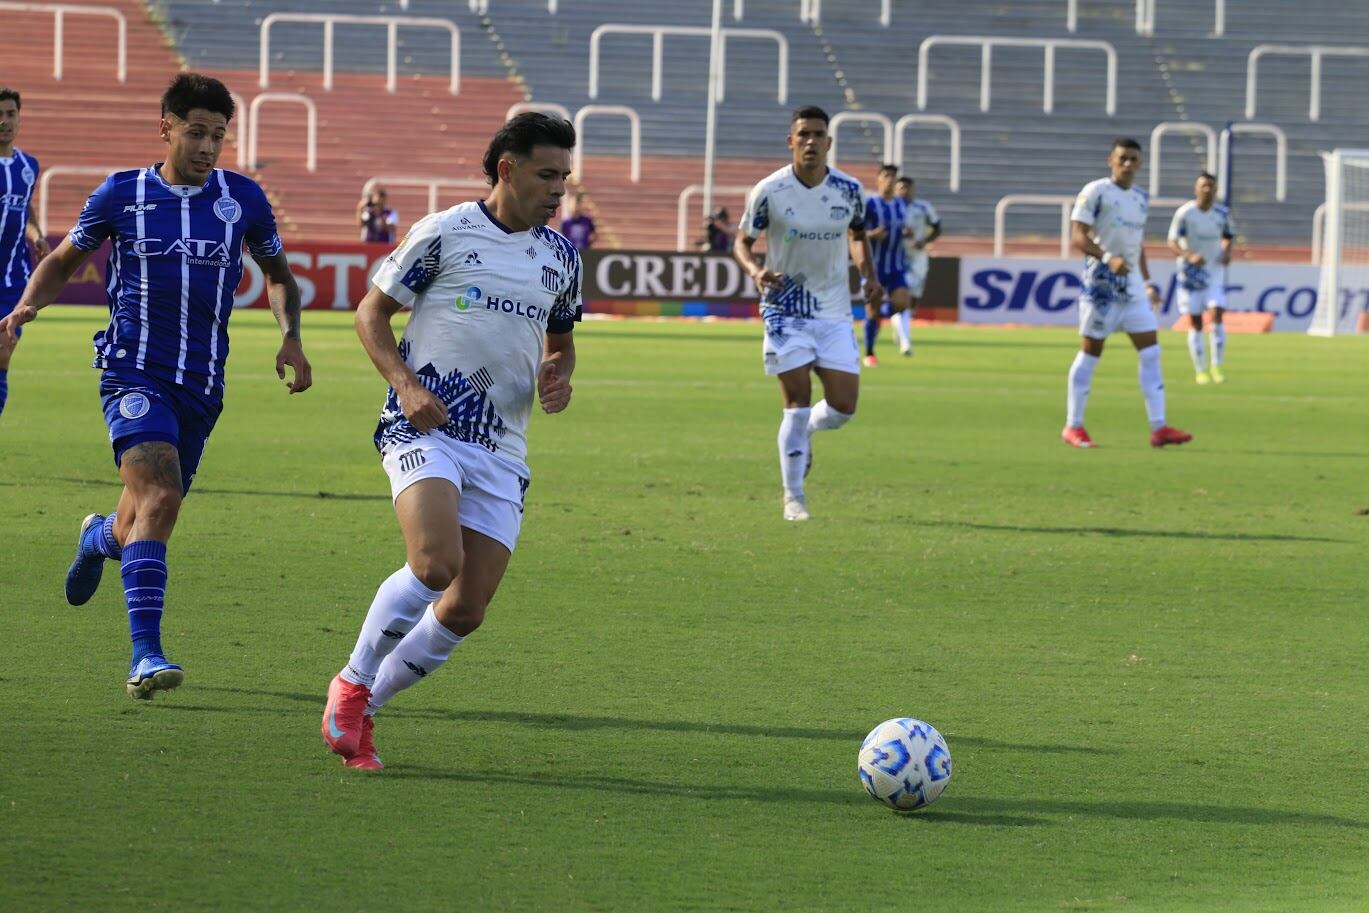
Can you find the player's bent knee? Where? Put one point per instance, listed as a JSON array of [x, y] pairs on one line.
[[436, 571], [464, 617]]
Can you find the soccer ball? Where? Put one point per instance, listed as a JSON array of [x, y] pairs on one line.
[[905, 764]]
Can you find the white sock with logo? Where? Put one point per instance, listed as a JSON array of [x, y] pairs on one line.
[[419, 655], [398, 603], [825, 418], [793, 441], [1218, 344], [1195, 349], [1081, 379], [1152, 385]]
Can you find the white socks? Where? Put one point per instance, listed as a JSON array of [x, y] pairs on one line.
[[399, 602], [793, 441], [1152, 385], [1195, 350], [421, 653], [1218, 343], [1081, 378], [824, 418], [902, 322]]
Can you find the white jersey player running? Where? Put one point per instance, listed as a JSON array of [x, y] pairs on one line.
[[1201, 236], [812, 216], [1108, 227], [921, 226], [495, 294]]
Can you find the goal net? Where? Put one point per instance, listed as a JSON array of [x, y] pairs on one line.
[[1344, 285]]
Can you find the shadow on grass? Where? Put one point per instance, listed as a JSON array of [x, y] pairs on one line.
[[1120, 532], [249, 492]]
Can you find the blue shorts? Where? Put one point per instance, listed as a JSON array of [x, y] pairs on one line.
[[892, 281], [141, 408], [9, 297]]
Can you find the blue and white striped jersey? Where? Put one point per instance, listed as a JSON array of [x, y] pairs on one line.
[[175, 263], [888, 250], [18, 178]]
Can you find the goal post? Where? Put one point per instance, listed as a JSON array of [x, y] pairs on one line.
[[1344, 284]]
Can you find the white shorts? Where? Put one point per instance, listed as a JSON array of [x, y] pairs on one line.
[[1214, 296], [1131, 312], [917, 275], [492, 490], [792, 342]]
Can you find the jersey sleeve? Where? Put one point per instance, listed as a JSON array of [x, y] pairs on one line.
[[858, 210], [569, 306], [756, 217], [413, 266], [933, 218], [1087, 204], [1228, 227], [96, 223], [261, 237], [1176, 225]]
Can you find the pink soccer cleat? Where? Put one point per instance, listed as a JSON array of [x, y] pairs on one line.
[[1076, 437], [1167, 435], [366, 757], [342, 724]]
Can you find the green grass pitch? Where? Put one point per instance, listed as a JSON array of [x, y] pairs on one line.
[[1149, 665]]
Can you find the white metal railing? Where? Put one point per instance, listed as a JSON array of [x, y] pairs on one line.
[[1319, 225], [432, 184], [634, 137], [682, 208], [481, 7], [1315, 51], [546, 107], [54, 171], [1181, 127], [810, 11], [238, 134], [1280, 156], [1143, 8], [1145, 17], [59, 12], [658, 33], [862, 117], [1066, 204], [987, 43], [392, 25], [311, 125], [943, 120]]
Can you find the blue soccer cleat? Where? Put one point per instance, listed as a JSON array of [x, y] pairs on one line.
[[153, 673], [83, 577]]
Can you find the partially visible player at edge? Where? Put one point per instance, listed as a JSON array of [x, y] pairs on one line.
[[18, 224], [1201, 237], [921, 226], [177, 230], [1108, 227], [495, 296], [812, 216], [884, 226]]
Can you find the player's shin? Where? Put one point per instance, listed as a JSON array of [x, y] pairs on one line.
[[1081, 380], [1218, 343], [4, 389], [144, 575], [1152, 385], [398, 605], [426, 648], [793, 443], [1195, 350]]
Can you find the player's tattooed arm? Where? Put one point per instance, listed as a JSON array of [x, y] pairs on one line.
[[282, 292]]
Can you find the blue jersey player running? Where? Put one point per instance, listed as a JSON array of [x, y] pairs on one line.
[[885, 215], [18, 227], [177, 229]]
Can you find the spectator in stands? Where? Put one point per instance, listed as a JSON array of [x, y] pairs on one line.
[[578, 227], [379, 223], [718, 236]]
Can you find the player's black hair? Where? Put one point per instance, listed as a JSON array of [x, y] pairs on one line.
[[519, 135], [8, 94], [1202, 175], [888, 169], [905, 180], [808, 111], [191, 90], [1125, 142]]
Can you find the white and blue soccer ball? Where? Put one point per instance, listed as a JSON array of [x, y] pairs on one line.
[[905, 764]]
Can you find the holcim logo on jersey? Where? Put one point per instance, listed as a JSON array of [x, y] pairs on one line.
[[195, 248], [475, 296], [796, 235], [464, 302]]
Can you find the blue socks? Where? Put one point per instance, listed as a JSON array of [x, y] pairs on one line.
[[144, 573], [871, 334], [4, 388], [99, 540]]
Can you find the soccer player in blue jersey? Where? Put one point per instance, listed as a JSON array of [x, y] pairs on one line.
[[18, 226], [495, 296], [177, 229], [885, 215]]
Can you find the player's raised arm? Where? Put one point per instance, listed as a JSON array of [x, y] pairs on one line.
[[45, 284], [282, 292]]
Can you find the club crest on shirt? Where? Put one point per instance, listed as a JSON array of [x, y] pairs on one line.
[[27, 175], [227, 209], [841, 212]]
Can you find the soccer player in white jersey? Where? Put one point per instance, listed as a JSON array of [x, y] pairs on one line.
[[921, 226], [1108, 227], [812, 216], [495, 294], [18, 224], [1201, 236]]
